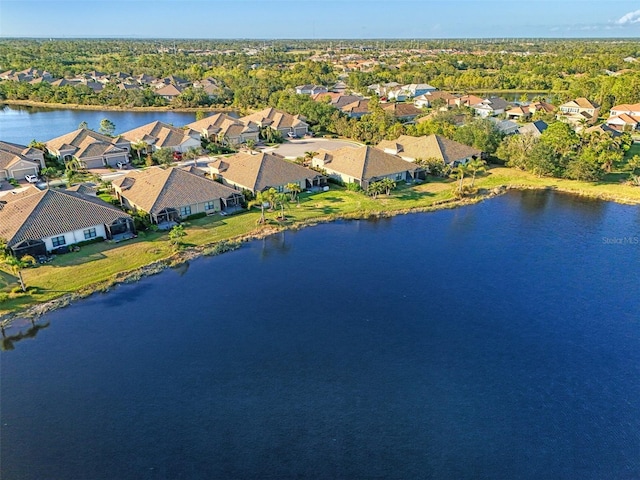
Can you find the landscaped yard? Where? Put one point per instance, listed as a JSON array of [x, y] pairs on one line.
[[99, 262]]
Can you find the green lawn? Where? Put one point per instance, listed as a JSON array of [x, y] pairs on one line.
[[100, 262]]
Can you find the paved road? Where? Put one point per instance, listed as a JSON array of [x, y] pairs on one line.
[[296, 148]]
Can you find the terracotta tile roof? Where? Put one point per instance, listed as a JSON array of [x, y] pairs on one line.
[[155, 189], [261, 171], [275, 119], [160, 134], [430, 146], [86, 143], [364, 163], [12, 153], [585, 103], [37, 214], [221, 123], [359, 106], [401, 110]]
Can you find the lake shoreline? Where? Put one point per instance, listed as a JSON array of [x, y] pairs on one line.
[[75, 106], [33, 312]]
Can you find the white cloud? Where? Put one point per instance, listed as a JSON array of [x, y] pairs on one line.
[[629, 19]]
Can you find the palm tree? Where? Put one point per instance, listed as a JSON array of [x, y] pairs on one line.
[[308, 156], [294, 190], [17, 264], [260, 199], [475, 166], [139, 147], [375, 188], [458, 173], [388, 185], [281, 199]]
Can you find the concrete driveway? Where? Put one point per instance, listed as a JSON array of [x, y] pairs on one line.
[[296, 147]]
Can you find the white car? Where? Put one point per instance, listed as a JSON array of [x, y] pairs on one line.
[[31, 178]]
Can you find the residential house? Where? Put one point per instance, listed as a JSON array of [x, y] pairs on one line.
[[169, 92], [52, 219], [624, 117], [382, 89], [427, 99], [524, 112], [578, 112], [17, 161], [91, 149], [490, 107], [283, 122], [311, 89], [222, 128], [411, 90], [404, 112], [337, 100], [534, 128], [356, 109], [464, 101], [506, 127], [430, 146], [169, 195], [363, 165], [603, 127], [162, 135], [261, 171]]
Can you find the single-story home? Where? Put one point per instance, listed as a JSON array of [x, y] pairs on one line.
[[404, 112], [430, 146], [162, 135], [283, 122], [261, 171], [534, 128], [169, 195], [311, 89], [91, 149], [223, 128], [58, 218], [17, 161], [363, 165]]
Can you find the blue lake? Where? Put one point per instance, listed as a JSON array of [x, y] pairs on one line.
[[23, 124], [495, 341]]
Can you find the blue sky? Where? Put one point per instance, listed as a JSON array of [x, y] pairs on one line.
[[319, 18]]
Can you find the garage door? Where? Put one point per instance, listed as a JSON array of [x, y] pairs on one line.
[[19, 173]]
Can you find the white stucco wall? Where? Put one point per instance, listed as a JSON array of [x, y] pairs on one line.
[[75, 237]]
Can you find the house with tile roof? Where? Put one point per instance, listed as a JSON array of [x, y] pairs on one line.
[[162, 135], [490, 107], [169, 195], [311, 89], [17, 161], [261, 171], [356, 109], [169, 92], [579, 111], [91, 149], [222, 127], [279, 120], [625, 117], [404, 112], [410, 149], [363, 165], [58, 218], [427, 99]]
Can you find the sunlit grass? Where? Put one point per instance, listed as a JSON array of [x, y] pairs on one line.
[[101, 261]]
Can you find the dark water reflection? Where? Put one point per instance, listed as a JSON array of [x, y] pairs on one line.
[[492, 341]]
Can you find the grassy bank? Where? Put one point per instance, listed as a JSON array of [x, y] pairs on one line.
[[99, 266], [75, 106]]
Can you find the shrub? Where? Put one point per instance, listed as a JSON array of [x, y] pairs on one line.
[[353, 187], [196, 216], [89, 242]]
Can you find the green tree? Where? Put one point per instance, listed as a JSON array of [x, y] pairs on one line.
[[50, 173], [458, 173], [163, 156], [374, 189], [176, 236], [83, 124], [294, 190], [16, 265], [475, 166], [388, 185], [107, 127], [261, 199]]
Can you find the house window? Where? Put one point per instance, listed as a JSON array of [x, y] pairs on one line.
[[89, 233], [185, 211], [398, 176], [280, 188], [209, 206], [57, 241]]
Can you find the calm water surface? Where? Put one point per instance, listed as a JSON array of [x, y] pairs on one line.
[[23, 124], [495, 341]]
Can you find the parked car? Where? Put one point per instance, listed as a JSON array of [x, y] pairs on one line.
[[292, 135], [177, 156], [31, 178]]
